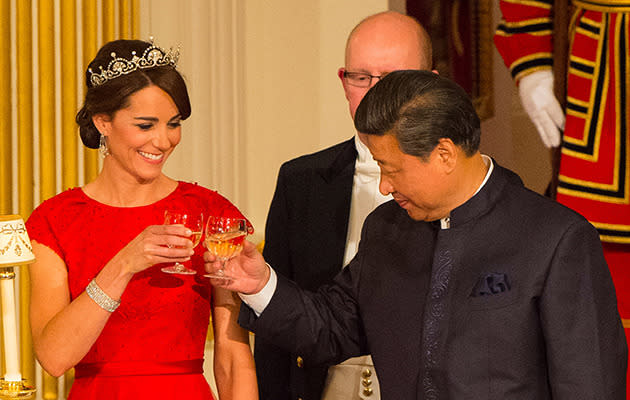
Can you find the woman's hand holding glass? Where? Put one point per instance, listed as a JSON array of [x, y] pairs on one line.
[[156, 244], [192, 221]]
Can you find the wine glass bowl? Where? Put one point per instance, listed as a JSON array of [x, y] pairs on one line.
[[224, 239], [192, 221]]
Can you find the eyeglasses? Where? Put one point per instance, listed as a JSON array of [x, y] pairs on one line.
[[360, 79]]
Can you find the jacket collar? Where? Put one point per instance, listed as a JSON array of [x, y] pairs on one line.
[[487, 197], [343, 162]]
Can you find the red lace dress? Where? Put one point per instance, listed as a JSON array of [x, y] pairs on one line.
[[152, 346]]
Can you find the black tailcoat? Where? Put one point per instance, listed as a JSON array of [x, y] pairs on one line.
[[305, 239]]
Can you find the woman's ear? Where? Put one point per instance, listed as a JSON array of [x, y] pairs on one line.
[[102, 122]]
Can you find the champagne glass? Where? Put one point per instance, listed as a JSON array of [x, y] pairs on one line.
[[224, 239], [192, 221]]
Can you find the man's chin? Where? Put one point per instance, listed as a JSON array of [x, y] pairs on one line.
[[415, 215], [420, 215]]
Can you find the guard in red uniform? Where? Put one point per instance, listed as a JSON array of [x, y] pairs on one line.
[[595, 157]]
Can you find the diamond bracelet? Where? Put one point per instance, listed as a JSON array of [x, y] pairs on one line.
[[101, 298]]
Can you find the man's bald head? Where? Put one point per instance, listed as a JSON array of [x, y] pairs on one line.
[[390, 28], [382, 43]]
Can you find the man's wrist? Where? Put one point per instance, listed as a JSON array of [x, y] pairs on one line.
[[258, 301], [265, 280]]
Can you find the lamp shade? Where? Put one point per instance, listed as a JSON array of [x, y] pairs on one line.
[[15, 246]]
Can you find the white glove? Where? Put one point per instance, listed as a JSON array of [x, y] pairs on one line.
[[536, 91]]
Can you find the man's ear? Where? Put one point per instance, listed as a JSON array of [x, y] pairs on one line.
[[340, 73], [447, 152], [102, 122]]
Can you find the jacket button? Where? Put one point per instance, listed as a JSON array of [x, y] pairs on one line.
[[299, 362], [367, 391], [367, 373], [366, 382]]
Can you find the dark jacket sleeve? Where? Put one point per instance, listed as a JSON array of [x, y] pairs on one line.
[[586, 345], [325, 326]]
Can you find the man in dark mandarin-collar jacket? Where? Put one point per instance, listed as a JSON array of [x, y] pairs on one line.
[[467, 286]]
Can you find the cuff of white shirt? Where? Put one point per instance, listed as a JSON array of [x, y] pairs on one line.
[[259, 301]]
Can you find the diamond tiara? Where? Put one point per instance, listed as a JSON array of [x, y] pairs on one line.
[[152, 57]]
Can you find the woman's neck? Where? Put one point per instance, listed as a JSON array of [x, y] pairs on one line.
[[126, 191]]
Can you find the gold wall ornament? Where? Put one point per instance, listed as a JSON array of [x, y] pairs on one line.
[[15, 250]]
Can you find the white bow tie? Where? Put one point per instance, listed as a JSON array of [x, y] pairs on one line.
[[367, 170]]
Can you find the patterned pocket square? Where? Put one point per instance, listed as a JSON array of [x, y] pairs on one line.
[[491, 283]]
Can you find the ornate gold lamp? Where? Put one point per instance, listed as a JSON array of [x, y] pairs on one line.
[[15, 250]]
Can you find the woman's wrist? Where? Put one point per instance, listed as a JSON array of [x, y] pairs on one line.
[[113, 279], [102, 299]]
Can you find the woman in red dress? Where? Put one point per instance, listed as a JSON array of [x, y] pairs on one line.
[[100, 302]]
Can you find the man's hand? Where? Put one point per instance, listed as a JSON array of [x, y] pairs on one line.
[[248, 271], [536, 91]]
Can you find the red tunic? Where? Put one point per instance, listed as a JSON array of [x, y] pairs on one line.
[[152, 346], [595, 165]]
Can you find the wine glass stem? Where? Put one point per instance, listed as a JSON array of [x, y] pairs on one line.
[[223, 263]]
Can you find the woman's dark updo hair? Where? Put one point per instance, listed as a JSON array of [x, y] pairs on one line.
[[113, 95]]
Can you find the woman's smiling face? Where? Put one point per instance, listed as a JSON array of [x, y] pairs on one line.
[[141, 136]]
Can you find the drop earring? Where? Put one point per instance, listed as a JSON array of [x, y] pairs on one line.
[[102, 146]]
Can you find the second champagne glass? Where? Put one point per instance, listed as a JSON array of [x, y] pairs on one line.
[[224, 239], [192, 221]]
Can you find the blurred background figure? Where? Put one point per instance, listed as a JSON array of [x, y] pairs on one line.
[[580, 109]]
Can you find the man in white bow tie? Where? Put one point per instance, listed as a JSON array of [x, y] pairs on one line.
[[320, 203]]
